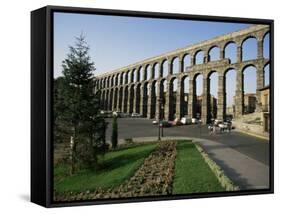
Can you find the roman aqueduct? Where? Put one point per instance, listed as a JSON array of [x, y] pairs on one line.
[[141, 87]]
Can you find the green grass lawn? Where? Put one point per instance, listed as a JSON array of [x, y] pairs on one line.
[[117, 166], [192, 174]]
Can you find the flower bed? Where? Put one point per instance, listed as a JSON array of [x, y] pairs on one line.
[[154, 177]]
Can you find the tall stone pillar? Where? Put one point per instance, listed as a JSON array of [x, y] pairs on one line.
[[239, 95], [129, 100], [260, 83], [168, 107], [260, 48], [205, 94], [191, 98], [239, 53], [221, 102], [123, 100], [179, 104]]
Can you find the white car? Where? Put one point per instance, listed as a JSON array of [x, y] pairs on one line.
[[186, 121], [135, 115]]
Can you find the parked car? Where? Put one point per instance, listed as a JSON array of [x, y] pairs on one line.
[[136, 115], [194, 120], [186, 120]]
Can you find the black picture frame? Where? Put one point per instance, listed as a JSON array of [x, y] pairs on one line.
[[41, 102]]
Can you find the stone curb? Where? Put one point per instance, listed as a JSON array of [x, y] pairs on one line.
[[219, 173]]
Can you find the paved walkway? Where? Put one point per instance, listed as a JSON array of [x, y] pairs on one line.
[[243, 170]]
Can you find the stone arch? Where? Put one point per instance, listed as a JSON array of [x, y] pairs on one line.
[[212, 95], [186, 61], [184, 95], [115, 108], [198, 57], [173, 86], [126, 100], [162, 96], [266, 74], [229, 90], [133, 75], [164, 68], [156, 73], [141, 74], [112, 81], [175, 65], [230, 51], [213, 53], [137, 97], [127, 75], [144, 99], [249, 48], [198, 87], [131, 98], [266, 45], [249, 75], [147, 72], [152, 96], [120, 98]]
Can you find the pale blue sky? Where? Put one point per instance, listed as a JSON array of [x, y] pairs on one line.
[[117, 41]]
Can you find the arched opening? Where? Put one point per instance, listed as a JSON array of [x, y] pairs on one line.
[[116, 79], [186, 62], [127, 77], [152, 95], [131, 100], [141, 74], [136, 74], [198, 84], [266, 72], [175, 65], [212, 96], [145, 99], [199, 57], [249, 88], [266, 45], [115, 99], [214, 54], [230, 52], [173, 94], [138, 97], [120, 98], [132, 76], [111, 99], [147, 72], [164, 68], [125, 104], [185, 86], [249, 49], [155, 72], [229, 90], [107, 100]]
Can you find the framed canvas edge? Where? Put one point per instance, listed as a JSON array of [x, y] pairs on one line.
[[50, 9]]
